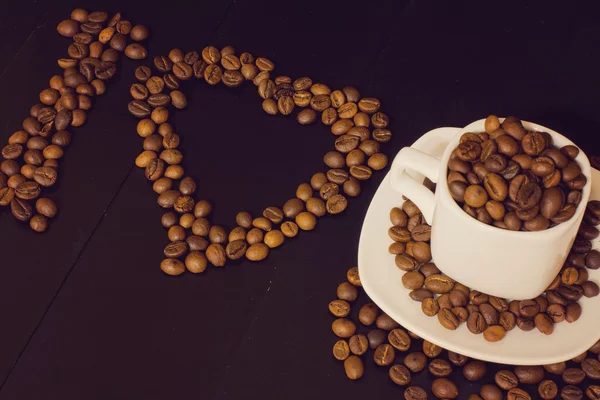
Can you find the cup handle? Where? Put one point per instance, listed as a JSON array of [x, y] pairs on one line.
[[412, 159]]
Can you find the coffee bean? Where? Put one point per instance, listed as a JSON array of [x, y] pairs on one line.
[[495, 163], [548, 390], [544, 324], [385, 322], [415, 362], [590, 289], [216, 255], [447, 319], [468, 151], [431, 350], [413, 280], [573, 376], [506, 379], [415, 393], [274, 238], [474, 370], [571, 393], [420, 294], [21, 209], [406, 262], [172, 266], [529, 374], [517, 394], [359, 344], [438, 283], [341, 350], [182, 70], [399, 374], [376, 337], [556, 368], [571, 293], [28, 190], [443, 388], [45, 176], [494, 333], [343, 328], [353, 366], [440, 368], [591, 367], [368, 313], [213, 74], [339, 308], [346, 143], [476, 323], [593, 392]]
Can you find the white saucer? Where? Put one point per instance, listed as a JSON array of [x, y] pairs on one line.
[[381, 280]]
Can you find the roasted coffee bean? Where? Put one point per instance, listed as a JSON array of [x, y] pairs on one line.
[[544, 323], [548, 390], [440, 368], [593, 392], [590, 289], [172, 266], [458, 298], [413, 280], [359, 344], [573, 376], [431, 350], [143, 73], [406, 262], [506, 379], [376, 338], [353, 366], [474, 370], [443, 388], [571, 293], [507, 320], [476, 323], [339, 308], [529, 374], [447, 319], [439, 284], [399, 374], [556, 368], [341, 350], [45, 176], [385, 322], [495, 163], [571, 392], [572, 312], [420, 294], [20, 209], [347, 291], [343, 328], [27, 190], [399, 234], [415, 362], [591, 367], [494, 333]]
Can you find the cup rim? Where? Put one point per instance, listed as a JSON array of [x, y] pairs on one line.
[[561, 228]]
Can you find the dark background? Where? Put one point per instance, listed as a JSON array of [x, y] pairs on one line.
[[86, 313]]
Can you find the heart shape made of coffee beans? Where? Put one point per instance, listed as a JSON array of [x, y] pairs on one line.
[[357, 124]]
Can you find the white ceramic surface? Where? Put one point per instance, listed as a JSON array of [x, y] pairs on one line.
[[381, 280], [482, 256]]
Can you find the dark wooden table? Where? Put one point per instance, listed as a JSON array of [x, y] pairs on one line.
[[86, 313]]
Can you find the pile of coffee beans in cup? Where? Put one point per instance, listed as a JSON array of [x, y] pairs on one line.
[[365, 337], [513, 178], [358, 126], [453, 303], [31, 157]]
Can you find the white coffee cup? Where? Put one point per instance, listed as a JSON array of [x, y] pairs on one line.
[[510, 264]]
